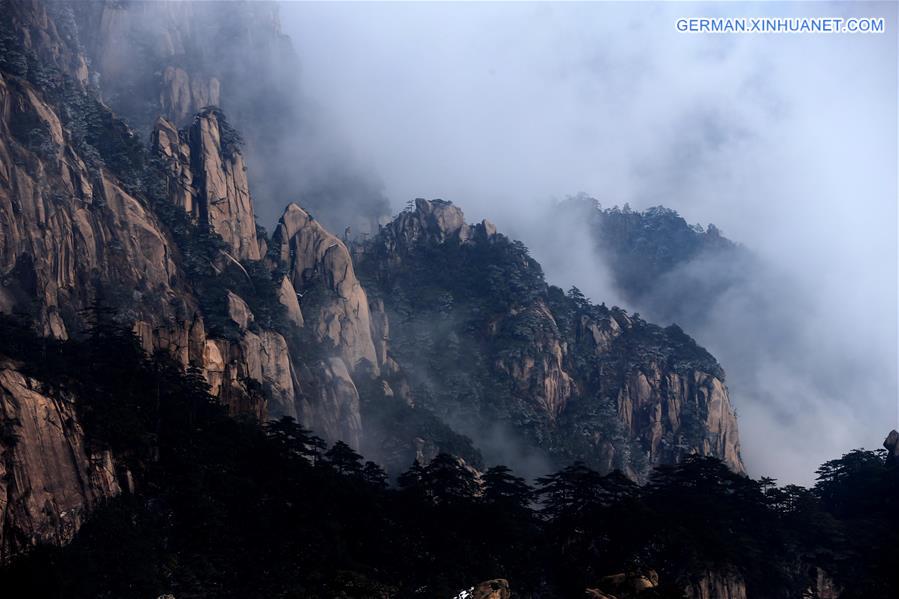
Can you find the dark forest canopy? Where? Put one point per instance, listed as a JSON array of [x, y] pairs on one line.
[[228, 508]]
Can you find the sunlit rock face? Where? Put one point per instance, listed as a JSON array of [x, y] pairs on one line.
[[209, 179], [65, 225], [334, 303]]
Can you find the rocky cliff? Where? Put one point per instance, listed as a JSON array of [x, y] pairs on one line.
[[67, 222], [173, 59], [50, 478], [207, 178], [402, 344], [81, 222], [490, 347], [320, 269]]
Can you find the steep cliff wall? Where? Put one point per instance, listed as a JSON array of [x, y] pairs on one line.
[[208, 178], [67, 224], [173, 59], [49, 477], [320, 268], [82, 228]]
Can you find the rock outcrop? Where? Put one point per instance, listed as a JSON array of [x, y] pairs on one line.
[[334, 304], [329, 401], [48, 31], [65, 225], [208, 179], [891, 444], [151, 59], [151, 50], [430, 222], [49, 478], [489, 589]]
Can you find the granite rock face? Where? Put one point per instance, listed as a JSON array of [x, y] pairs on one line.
[[50, 478], [208, 179], [334, 303], [72, 233], [64, 226]]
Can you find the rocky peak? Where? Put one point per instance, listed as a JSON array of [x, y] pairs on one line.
[[891, 444], [208, 178], [333, 301], [437, 220], [432, 221], [576, 380]]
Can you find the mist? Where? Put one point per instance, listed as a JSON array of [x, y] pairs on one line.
[[785, 142]]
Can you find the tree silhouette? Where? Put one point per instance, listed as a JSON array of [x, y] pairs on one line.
[[504, 489], [411, 479], [374, 475], [344, 459], [294, 440], [569, 492], [447, 479]]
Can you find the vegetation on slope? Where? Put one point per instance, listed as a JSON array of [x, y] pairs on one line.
[[229, 508]]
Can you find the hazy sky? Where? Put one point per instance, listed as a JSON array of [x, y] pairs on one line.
[[787, 143]]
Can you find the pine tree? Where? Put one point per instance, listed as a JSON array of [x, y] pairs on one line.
[[294, 440], [570, 491], [374, 475], [344, 460], [447, 479], [410, 480], [502, 488]]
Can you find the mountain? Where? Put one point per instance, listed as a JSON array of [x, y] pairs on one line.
[[173, 59], [493, 349], [661, 265], [448, 334], [185, 399]]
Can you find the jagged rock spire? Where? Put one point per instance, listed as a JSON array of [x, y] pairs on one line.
[[207, 177], [317, 261]]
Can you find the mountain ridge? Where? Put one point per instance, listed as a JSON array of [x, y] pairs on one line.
[[163, 236]]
